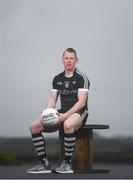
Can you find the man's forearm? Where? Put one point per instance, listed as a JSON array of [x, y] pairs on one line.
[[51, 104], [79, 105]]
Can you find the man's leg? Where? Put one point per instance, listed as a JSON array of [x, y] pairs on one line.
[[36, 129], [38, 140], [71, 125]]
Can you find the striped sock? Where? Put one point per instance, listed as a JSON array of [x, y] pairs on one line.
[[39, 144], [69, 144]]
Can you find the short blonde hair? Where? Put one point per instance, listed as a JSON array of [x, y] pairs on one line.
[[71, 50]]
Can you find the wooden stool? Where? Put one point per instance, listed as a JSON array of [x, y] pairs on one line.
[[83, 155]]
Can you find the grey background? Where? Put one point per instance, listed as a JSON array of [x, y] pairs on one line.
[[33, 35]]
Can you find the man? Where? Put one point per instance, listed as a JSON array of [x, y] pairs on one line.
[[72, 86]]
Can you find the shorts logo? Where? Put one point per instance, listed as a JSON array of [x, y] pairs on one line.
[[66, 84]]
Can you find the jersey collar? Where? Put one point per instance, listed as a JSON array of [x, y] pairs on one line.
[[71, 74]]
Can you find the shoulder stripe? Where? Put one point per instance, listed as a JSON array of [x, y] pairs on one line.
[[84, 77], [84, 114]]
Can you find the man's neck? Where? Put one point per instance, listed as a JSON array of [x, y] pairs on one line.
[[69, 73]]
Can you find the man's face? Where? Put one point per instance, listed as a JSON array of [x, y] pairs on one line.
[[69, 60]]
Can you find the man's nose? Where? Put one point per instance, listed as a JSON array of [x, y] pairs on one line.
[[69, 60]]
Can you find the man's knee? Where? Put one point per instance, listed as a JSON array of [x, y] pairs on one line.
[[36, 127], [68, 127], [72, 124]]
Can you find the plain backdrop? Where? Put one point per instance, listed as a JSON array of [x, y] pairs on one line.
[[33, 36]]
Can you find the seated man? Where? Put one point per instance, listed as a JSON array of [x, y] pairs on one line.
[[72, 86]]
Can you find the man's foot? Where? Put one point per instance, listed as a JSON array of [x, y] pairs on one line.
[[40, 168], [65, 167]]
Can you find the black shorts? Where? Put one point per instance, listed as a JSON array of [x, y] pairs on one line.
[[83, 114]]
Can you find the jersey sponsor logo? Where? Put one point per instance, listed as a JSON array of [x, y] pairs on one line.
[[68, 92]]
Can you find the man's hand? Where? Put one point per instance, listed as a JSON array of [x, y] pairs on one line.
[[62, 117]]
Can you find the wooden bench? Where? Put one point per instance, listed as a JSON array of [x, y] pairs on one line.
[[83, 155]]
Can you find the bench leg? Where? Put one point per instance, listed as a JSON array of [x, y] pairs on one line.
[[83, 155]]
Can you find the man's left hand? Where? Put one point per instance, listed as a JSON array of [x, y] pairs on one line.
[[62, 117]]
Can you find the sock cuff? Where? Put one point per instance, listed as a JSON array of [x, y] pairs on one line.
[[36, 135], [70, 135]]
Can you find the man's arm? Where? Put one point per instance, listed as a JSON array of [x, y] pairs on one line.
[[52, 99], [82, 99]]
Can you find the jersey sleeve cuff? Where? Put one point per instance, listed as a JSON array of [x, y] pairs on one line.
[[55, 90], [83, 89]]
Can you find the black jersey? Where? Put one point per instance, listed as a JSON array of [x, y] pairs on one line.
[[68, 88]]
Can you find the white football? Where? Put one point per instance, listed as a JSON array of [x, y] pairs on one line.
[[49, 117]]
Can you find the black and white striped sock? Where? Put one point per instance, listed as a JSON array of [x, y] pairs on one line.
[[69, 145], [39, 144]]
